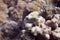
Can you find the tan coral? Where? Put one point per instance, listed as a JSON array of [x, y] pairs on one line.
[[3, 18], [21, 4], [35, 6], [3, 13], [32, 7], [3, 8], [38, 4]]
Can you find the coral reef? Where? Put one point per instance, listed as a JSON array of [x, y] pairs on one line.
[[29, 19]]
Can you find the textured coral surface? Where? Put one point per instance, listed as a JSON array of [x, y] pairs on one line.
[[29, 19]]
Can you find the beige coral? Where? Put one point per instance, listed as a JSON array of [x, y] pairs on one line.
[[21, 4], [3, 13], [35, 5]]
